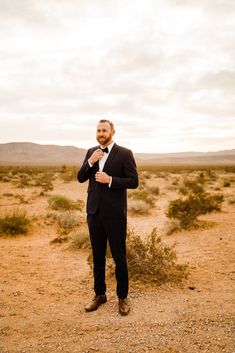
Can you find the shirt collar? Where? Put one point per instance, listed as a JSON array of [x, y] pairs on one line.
[[109, 146]]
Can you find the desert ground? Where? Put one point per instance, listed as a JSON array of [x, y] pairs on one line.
[[44, 286]]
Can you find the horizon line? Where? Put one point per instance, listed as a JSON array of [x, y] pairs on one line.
[[84, 148]]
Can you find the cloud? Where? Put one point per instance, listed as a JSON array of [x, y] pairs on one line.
[[210, 5], [64, 65], [223, 80]]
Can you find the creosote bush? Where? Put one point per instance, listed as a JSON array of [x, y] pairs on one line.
[[14, 223], [194, 186], [150, 261], [58, 202], [187, 210]]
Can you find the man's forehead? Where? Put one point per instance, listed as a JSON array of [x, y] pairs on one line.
[[102, 126]]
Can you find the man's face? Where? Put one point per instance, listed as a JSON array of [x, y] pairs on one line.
[[104, 133]]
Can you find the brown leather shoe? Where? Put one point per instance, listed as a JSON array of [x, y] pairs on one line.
[[96, 302], [124, 307]]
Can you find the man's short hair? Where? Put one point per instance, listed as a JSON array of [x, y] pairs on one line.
[[107, 121]]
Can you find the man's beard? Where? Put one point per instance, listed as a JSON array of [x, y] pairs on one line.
[[104, 141]]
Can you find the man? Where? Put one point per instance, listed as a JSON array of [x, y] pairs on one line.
[[111, 170]]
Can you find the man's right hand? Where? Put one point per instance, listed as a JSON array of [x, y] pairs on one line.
[[96, 156]]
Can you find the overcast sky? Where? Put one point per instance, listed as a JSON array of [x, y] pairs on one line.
[[162, 70]]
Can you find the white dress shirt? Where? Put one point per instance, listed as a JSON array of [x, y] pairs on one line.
[[105, 156], [103, 160]]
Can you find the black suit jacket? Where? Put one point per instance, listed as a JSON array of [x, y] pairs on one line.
[[110, 201]]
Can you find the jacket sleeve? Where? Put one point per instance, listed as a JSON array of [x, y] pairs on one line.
[[129, 180], [85, 170]]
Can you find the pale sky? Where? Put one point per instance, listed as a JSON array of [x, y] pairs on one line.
[[162, 70]]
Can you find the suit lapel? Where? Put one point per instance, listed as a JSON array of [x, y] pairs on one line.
[[110, 157]]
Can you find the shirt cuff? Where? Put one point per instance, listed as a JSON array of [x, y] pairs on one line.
[[90, 164], [110, 183]]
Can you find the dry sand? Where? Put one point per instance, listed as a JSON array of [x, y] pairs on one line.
[[44, 288]]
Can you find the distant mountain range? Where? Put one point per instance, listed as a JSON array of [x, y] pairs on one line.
[[28, 153]]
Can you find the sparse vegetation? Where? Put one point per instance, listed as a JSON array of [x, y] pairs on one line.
[[45, 181], [79, 240], [194, 186], [59, 202], [142, 199], [22, 198], [231, 200], [187, 210], [211, 174], [68, 220], [172, 226], [138, 207], [142, 195], [152, 261], [153, 190], [8, 194], [14, 223], [60, 239], [36, 276], [68, 175], [227, 183]]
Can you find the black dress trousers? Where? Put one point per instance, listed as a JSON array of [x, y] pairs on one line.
[[101, 229]]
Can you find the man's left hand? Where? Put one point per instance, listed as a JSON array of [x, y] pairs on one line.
[[102, 177]]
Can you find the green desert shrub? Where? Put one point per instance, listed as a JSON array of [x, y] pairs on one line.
[[45, 180], [8, 194], [194, 186], [59, 202], [14, 223], [152, 261], [23, 181], [5, 178], [187, 210], [227, 183], [69, 175], [211, 174], [22, 198], [231, 200]]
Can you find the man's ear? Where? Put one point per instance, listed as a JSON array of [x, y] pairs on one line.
[[113, 132]]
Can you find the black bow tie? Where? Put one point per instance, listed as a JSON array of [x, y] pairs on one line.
[[105, 149]]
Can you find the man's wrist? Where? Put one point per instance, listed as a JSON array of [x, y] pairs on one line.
[[110, 181], [90, 164]]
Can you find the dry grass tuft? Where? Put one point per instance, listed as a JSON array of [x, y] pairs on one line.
[[138, 207], [14, 223], [79, 240], [59, 202]]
